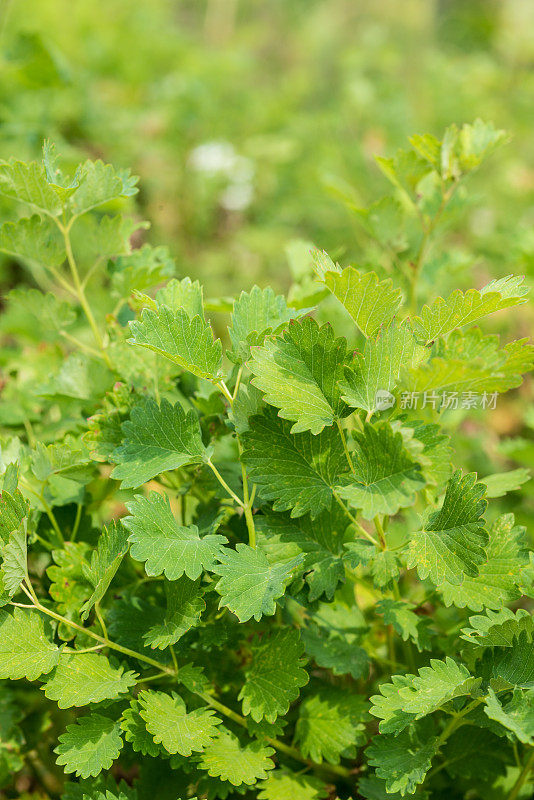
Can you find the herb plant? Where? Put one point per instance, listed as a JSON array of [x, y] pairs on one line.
[[254, 571]]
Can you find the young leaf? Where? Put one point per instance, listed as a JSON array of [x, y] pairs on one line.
[[299, 471], [98, 183], [298, 374], [105, 561], [89, 746], [14, 566], [500, 483], [330, 725], [170, 724], [156, 439], [255, 315], [185, 294], [25, 649], [369, 301], [26, 182], [13, 509], [187, 342], [275, 675], [385, 477], [86, 678], [34, 240], [226, 758], [452, 542], [184, 607], [166, 547]]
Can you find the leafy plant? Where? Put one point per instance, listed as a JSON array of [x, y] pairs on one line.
[[255, 571]]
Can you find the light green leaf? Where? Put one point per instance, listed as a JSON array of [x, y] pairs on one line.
[[139, 270], [408, 624], [89, 746], [51, 314], [338, 654], [385, 476], [156, 439], [410, 697], [14, 567], [13, 509], [184, 607], [33, 239], [298, 374], [27, 183], [377, 370], [330, 725], [499, 575], [170, 724], [517, 714], [86, 678], [297, 471], [249, 585], [98, 183], [463, 308], [369, 301], [284, 785], [404, 760], [135, 732], [255, 315], [500, 483], [185, 294], [187, 342], [166, 547], [451, 545], [274, 676], [105, 560], [25, 649], [226, 758]]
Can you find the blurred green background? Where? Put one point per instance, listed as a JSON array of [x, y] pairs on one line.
[[249, 121], [254, 127]]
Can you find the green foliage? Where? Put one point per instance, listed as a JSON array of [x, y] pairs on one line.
[[223, 570]]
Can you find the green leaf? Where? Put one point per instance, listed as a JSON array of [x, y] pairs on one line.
[[451, 544], [330, 725], [170, 724], [51, 314], [404, 760], [283, 785], [140, 270], [249, 585], [14, 567], [499, 575], [255, 315], [369, 301], [35, 240], [135, 732], [298, 374], [184, 607], [297, 471], [226, 758], [105, 560], [86, 678], [27, 183], [463, 308], [476, 754], [89, 746], [515, 664], [517, 714], [498, 628], [13, 509], [166, 547], [275, 675], [68, 585], [341, 655], [408, 624], [500, 483], [185, 294], [157, 438], [98, 183], [410, 697], [25, 649], [375, 373], [385, 477], [187, 342]]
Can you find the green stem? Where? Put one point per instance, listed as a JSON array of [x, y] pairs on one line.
[[80, 292], [457, 720], [345, 446], [225, 485], [247, 508], [76, 525], [523, 775], [361, 530], [381, 533]]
